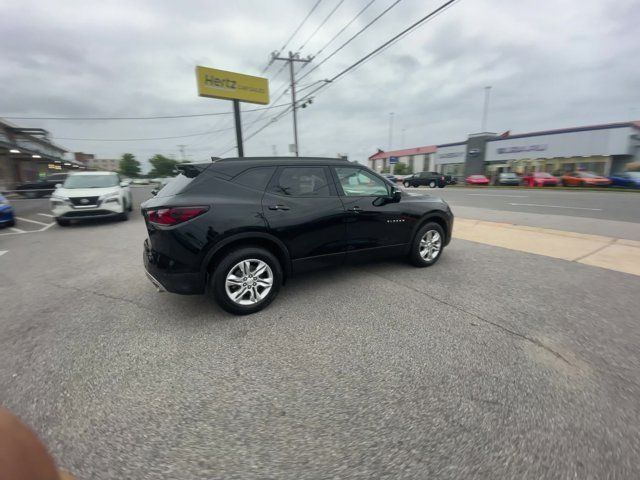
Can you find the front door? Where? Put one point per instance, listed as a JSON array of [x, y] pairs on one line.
[[302, 206], [374, 225]]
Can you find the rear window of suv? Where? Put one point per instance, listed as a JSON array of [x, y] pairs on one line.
[[256, 178]]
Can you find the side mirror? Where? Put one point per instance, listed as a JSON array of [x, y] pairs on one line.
[[58, 185], [154, 192], [396, 194]]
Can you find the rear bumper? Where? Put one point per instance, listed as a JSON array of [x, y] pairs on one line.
[[161, 275], [6, 215]]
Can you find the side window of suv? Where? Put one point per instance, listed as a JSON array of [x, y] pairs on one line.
[[302, 182], [256, 178], [356, 182]]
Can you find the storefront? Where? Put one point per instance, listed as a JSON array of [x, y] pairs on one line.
[[450, 159], [602, 149], [26, 154]]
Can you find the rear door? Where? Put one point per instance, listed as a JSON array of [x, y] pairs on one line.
[[303, 210]]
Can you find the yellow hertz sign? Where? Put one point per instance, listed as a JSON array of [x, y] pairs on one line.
[[232, 86]]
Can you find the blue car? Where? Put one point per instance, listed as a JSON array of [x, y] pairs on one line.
[[6, 213], [625, 179]]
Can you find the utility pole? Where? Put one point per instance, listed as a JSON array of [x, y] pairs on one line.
[[291, 59], [181, 148], [485, 113], [390, 146]]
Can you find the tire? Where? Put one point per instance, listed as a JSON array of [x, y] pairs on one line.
[[130, 206], [432, 184], [62, 222], [230, 263], [124, 216], [11, 223], [406, 184], [442, 185], [415, 257]]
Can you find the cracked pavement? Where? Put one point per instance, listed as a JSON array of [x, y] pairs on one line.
[[491, 364]]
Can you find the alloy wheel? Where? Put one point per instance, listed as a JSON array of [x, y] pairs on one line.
[[430, 245], [249, 281]]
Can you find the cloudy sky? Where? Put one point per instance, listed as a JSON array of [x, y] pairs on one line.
[[551, 64]]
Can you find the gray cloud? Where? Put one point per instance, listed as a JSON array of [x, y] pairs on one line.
[[551, 64]]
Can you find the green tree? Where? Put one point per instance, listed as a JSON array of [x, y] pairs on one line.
[[129, 166], [162, 166], [402, 169]]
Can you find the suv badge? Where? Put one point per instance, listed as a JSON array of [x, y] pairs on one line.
[[84, 201]]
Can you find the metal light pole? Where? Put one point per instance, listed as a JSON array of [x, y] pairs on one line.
[[485, 113], [390, 145]]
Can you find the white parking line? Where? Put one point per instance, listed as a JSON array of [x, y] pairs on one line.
[[2, 252], [46, 215], [555, 206], [495, 195], [16, 230], [32, 221]]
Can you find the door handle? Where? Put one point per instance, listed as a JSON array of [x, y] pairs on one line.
[[278, 207], [354, 209]]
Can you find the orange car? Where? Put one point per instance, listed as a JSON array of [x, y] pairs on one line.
[[584, 179]]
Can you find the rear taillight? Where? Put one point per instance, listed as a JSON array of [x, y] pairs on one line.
[[175, 215], [441, 178]]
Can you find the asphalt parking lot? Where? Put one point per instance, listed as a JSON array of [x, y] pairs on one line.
[[491, 364]]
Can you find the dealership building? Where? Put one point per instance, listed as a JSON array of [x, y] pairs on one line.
[[27, 154], [603, 149]]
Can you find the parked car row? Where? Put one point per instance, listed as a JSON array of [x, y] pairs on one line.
[[570, 179]]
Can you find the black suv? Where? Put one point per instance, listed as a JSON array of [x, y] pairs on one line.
[[238, 227], [432, 179]]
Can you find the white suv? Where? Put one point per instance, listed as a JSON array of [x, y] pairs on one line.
[[90, 195]]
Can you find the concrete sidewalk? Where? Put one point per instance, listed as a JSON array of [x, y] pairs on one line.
[[600, 251]]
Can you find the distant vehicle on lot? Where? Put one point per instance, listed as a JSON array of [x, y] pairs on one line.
[[584, 179], [42, 187], [432, 179], [7, 219], [390, 177], [476, 180], [626, 179], [90, 195], [508, 178], [140, 181], [540, 179], [237, 227]]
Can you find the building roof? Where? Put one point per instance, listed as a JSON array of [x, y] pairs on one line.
[[403, 153], [605, 126]]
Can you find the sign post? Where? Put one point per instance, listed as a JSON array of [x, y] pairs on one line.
[[225, 85]]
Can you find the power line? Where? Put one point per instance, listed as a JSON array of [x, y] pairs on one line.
[[344, 28], [142, 139], [371, 54], [300, 26], [161, 117], [277, 52], [321, 24], [385, 45], [351, 39]]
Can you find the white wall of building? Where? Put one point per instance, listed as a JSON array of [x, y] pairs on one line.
[[604, 142]]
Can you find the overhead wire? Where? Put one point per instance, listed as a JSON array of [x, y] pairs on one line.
[[304, 20], [326, 19], [351, 39], [155, 117], [362, 60]]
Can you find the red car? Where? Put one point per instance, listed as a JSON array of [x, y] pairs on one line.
[[540, 179], [476, 180]]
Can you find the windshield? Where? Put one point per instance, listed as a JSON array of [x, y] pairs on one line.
[[543, 175], [587, 175], [91, 181], [508, 175]]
